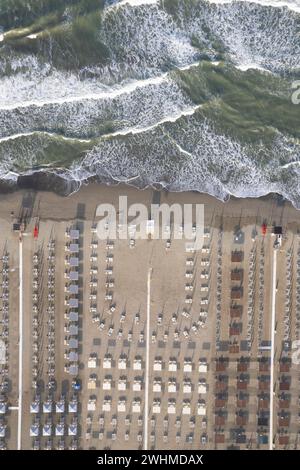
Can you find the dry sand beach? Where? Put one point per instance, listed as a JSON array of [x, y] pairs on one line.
[[170, 349]]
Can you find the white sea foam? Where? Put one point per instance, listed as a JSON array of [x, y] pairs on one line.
[[249, 33], [167, 119], [138, 2], [291, 4], [202, 160], [144, 43], [42, 133], [159, 136], [249, 66], [170, 113], [290, 164], [15, 136], [71, 89], [77, 96]]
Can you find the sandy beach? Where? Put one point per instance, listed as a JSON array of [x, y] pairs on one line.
[[178, 340]]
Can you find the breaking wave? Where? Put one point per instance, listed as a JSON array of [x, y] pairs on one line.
[[131, 118], [291, 4]]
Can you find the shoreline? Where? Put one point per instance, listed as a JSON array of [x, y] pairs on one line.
[[43, 181], [51, 182], [82, 204]]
